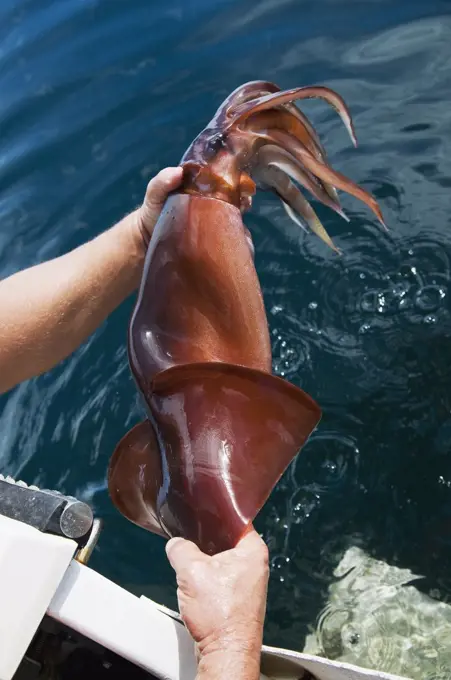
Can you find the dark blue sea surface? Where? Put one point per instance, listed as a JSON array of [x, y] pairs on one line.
[[96, 96]]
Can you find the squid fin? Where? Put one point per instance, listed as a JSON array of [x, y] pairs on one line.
[[227, 434], [135, 477]]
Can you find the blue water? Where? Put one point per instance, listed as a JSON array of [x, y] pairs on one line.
[[96, 96]]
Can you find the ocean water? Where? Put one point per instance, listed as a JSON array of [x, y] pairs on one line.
[[99, 95]]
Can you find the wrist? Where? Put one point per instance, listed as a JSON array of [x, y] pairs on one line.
[[229, 662], [130, 250], [237, 649], [134, 242]]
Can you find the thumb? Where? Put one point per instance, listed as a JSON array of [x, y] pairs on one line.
[[182, 553], [161, 185], [156, 194]]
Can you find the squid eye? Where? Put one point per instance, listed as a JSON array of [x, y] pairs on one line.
[[216, 143]]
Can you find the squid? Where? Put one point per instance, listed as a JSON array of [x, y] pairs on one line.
[[221, 429]]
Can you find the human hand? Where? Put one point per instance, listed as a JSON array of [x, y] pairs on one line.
[[222, 600], [159, 187]]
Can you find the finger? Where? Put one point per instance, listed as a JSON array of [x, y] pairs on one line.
[[181, 553], [251, 542], [159, 186]]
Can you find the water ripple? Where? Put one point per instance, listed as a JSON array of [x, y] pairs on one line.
[[329, 459]]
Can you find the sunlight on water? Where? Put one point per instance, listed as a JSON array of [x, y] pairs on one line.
[[377, 618]]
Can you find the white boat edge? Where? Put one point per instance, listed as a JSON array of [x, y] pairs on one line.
[[39, 575]]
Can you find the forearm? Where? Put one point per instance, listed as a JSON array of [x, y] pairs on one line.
[[47, 311], [235, 653], [229, 664]]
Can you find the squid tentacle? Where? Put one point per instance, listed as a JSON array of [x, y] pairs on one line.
[[282, 120], [221, 160], [287, 121], [275, 156], [250, 91], [295, 204], [324, 172], [319, 150], [297, 113], [269, 101]]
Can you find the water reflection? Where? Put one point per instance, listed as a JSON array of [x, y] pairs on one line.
[[377, 618], [400, 42]]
